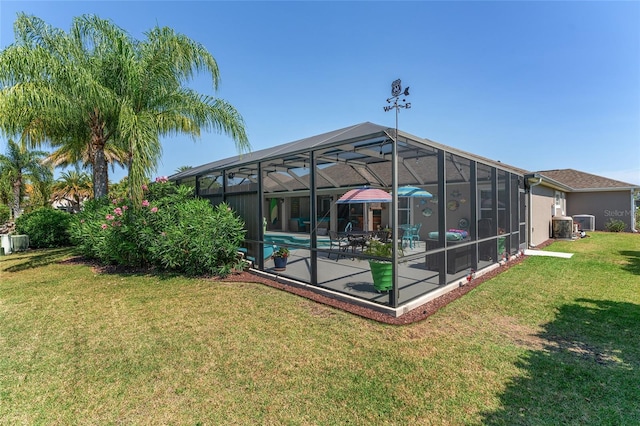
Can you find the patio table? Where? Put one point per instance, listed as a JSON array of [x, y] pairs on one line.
[[358, 239]]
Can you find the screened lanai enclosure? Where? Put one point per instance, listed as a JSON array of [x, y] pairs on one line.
[[462, 213]]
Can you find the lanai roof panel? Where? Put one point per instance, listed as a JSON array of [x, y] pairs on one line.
[[363, 145]]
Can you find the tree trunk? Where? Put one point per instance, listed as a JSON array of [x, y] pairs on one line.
[[100, 167], [16, 196], [100, 172]]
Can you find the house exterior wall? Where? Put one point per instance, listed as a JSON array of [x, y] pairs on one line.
[[542, 209], [604, 206], [560, 203]]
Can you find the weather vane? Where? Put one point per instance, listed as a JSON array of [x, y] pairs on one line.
[[397, 103], [396, 92]]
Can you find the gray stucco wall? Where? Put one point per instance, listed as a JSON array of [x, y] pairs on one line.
[[603, 205]]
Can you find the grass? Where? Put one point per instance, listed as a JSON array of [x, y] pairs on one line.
[[550, 341]]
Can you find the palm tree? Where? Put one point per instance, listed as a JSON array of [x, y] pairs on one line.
[[74, 187], [97, 87], [20, 166], [65, 156]]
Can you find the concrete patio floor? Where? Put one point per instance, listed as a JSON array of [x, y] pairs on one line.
[[348, 274]]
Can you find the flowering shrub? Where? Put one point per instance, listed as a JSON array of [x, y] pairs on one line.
[[170, 230]]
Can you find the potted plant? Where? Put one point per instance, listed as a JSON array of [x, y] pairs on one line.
[[280, 258], [381, 270]]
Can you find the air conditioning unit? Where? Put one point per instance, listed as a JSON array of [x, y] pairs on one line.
[[562, 227], [19, 242], [586, 222]]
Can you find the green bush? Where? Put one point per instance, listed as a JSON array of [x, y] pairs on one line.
[[5, 213], [86, 232], [46, 227], [196, 238], [614, 225], [172, 231]]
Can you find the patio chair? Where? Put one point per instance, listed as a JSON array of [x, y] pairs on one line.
[[407, 235], [348, 227], [415, 233], [341, 243], [359, 241], [382, 236]]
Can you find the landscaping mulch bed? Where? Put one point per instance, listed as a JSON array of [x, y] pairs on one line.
[[417, 314]]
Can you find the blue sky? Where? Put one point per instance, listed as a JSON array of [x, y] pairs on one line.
[[537, 85]]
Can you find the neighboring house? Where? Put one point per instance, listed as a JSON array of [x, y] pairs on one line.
[[568, 192], [63, 204]]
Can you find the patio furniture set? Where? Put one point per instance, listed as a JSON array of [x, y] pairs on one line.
[[357, 241]]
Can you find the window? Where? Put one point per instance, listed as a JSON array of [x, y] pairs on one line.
[[559, 203]]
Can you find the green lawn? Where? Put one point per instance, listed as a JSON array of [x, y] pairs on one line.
[[550, 341]]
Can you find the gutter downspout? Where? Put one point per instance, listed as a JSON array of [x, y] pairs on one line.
[[530, 227], [634, 192]]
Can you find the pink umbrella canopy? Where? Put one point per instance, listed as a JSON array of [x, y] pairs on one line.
[[365, 195]]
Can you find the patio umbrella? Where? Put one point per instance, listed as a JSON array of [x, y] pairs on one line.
[[413, 191], [365, 195]]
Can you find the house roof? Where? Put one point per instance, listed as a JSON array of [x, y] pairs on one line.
[[577, 181]]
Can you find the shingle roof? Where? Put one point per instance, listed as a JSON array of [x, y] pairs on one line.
[[577, 180]]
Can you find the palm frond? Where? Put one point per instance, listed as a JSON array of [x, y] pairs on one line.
[[99, 96]]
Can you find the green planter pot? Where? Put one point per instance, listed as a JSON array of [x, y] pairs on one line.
[[382, 275], [502, 241]]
